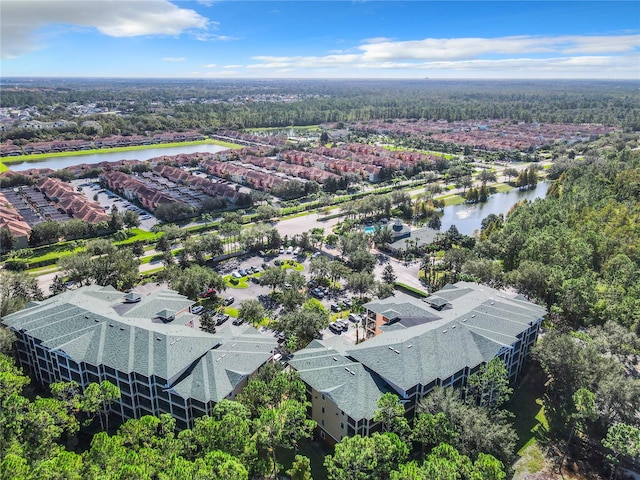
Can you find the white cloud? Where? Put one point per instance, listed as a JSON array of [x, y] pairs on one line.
[[210, 65], [615, 56], [174, 59], [465, 48], [21, 20]]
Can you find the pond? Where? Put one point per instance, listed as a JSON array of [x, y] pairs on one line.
[[468, 218], [56, 163]]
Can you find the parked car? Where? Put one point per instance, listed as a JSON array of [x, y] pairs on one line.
[[337, 329], [243, 272], [197, 309], [296, 251], [289, 250], [229, 300], [335, 308], [236, 274], [221, 318], [238, 321], [355, 318], [281, 250], [316, 292], [316, 254]]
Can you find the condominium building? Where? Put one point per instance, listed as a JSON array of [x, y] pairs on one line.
[[146, 345], [414, 345]]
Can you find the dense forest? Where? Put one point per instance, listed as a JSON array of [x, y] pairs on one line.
[[577, 250], [165, 105]]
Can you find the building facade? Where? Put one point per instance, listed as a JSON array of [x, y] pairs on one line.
[[414, 346], [143, 345]]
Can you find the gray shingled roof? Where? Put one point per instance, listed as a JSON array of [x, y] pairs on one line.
[[479, 323], [89, 325], [353, 388], [399, 305], [219, 372]]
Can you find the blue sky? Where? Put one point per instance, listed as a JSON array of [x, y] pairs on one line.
[[328, 39]]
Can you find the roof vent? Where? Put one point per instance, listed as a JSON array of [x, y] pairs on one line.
[[390, 347], [473, 316], [453, 326], [159, 339], [444, 331], [87, 317], [122, 329], [397, 351], [352, 373], [96, 320], [335, 359], [111, 324], [464, 319], [409, 346]]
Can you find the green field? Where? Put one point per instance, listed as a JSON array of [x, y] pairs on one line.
[[3, 167]]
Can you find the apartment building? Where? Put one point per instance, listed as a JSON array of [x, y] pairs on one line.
[[143, 344], [414, 345]]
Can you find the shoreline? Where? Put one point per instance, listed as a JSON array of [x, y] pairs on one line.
[[36, 157]]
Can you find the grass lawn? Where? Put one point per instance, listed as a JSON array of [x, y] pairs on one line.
[[42, 270], [526, 405], [452, 200], [149, 273], [500, 187], [292, 264], [242, 282], [138, 235], [3, 167], [231, 311]]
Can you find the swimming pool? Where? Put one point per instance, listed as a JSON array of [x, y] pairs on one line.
[[369, 229]]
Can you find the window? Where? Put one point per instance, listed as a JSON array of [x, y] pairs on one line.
[[322, 409], [342, 425], [323, 396], [323, 423]]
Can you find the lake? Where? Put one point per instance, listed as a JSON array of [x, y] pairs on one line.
[[468, 218], [56, 163]]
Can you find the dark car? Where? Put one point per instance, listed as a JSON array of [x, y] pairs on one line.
[[243, 272], [335, 308], [238, 321], [281, 337], [221, 318], [317, 292]]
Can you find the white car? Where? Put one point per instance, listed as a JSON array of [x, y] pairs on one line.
[[296, 251], [290, 250], [197, 310], [236, 274]]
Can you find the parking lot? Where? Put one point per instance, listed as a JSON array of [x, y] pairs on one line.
[[261, 292], [107, 199]]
